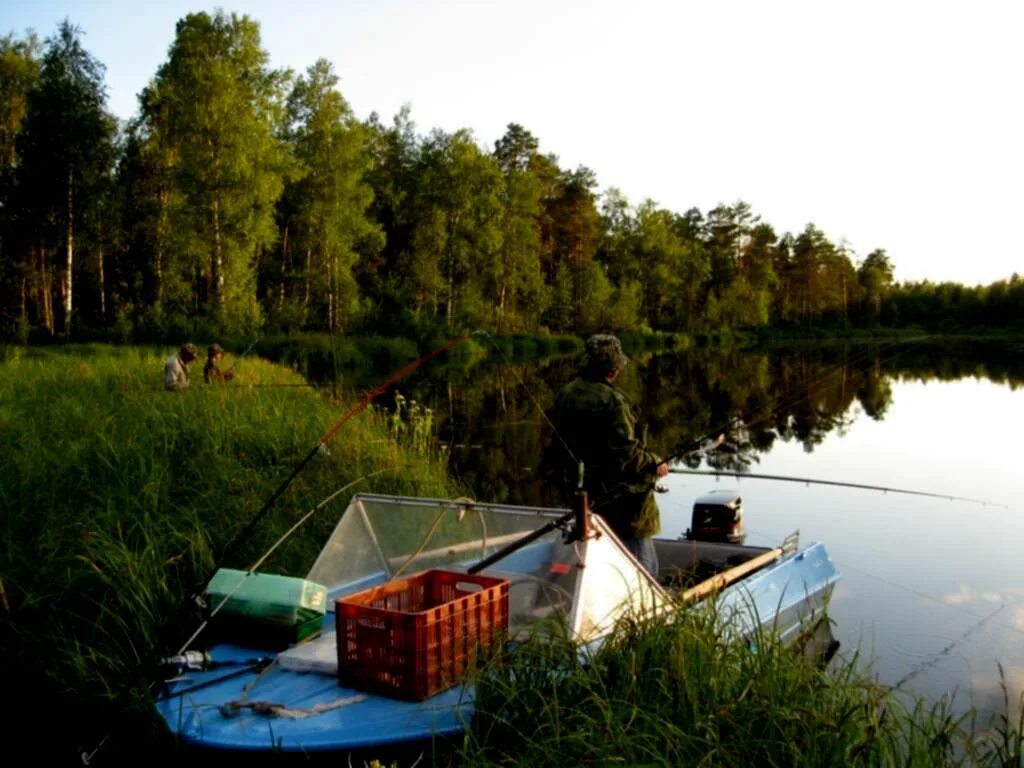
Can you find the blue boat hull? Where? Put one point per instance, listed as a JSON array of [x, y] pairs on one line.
[[244, 711]]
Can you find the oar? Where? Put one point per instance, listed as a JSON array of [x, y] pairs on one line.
[[812, 481], [721, 580]]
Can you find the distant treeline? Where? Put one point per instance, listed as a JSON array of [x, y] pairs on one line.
[[243, 197]]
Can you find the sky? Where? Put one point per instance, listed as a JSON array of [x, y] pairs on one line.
[[895, 124]]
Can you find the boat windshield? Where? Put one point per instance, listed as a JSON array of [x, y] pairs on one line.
[[380, 538]]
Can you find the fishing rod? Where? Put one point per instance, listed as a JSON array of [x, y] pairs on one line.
[[246, 352], [239, 668], [321, 444], [252, 568], [579, 512], [812, 481]]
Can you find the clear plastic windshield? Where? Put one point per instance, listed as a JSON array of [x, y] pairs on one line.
[[380, 538]]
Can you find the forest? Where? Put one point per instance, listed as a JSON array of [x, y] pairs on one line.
[[241, 197]]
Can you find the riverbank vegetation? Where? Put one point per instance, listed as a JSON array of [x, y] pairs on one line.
[[294, 215], [686, 692], [117, 499]]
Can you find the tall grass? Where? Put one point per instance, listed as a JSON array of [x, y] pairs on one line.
[[117, 499], [683, 692]]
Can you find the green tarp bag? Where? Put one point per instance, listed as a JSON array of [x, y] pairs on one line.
[[264, 609]]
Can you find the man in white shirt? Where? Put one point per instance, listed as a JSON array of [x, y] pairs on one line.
[[176, 369]]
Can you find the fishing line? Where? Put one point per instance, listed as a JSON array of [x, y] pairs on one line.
[[246, 352], [931, 598], [810, 481], [934, 658], [321, 444], [462, 504], [274, 546], [918, 593], [531, 396]]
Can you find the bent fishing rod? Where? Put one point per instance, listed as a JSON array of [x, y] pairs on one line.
[[321, 444], [812, 481]]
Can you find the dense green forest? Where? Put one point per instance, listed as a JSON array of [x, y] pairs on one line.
[[244, 197]]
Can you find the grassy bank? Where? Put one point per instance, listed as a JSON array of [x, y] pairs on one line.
[[685, 693], [117, 498]]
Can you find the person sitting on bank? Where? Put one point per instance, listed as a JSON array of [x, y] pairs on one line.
[[176, 367], [211, 371]]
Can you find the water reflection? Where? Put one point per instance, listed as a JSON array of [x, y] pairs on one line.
[[490, 416], [932, 594]]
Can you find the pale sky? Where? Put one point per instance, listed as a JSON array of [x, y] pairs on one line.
[[896, 125]]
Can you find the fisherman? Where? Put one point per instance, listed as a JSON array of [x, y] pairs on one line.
[[211, 371], [176, 368], [597, 423]]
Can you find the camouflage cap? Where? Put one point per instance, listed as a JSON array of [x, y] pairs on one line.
[[603, 353], [189, 350], [214, 349]]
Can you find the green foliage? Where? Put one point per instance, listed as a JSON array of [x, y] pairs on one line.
[[210, 117], [117, 497], [247, 199], [321, 357], [684, 691], [65, 157], [323, 210]]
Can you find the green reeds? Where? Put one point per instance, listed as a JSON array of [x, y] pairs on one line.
[[685, 692], [117, 497]]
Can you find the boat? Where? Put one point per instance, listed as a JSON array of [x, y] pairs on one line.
[[549, 563]]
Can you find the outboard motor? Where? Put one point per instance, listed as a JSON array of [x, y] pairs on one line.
[[718, 516]]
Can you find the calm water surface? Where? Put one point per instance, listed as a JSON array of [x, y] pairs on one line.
[[932, 590]]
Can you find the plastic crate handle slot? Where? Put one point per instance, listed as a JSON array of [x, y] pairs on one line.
[[370, 622]]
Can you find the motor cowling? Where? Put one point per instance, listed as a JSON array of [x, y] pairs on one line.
[[717, 516]]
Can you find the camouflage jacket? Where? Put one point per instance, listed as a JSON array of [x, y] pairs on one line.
[[597, 423]]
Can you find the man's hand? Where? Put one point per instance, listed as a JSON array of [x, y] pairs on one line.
[[662, 469]]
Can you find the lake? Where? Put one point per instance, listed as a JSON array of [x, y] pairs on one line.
[[932, 589]]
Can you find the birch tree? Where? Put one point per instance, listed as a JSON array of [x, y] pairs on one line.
[[328, 199], [19, 74], [67, 156], [214, 108]]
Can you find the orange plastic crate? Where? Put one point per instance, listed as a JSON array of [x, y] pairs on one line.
[[411, 638]]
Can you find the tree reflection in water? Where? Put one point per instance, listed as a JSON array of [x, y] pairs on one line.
[[488, 414]]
